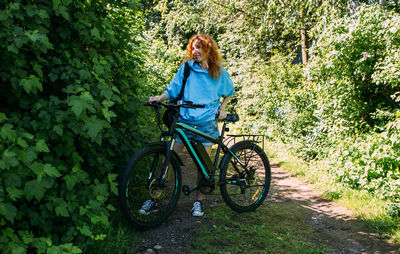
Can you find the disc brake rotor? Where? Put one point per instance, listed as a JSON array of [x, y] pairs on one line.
[[154, 191]]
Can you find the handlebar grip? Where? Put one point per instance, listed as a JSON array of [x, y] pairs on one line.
[[198, 105], [153, 104]]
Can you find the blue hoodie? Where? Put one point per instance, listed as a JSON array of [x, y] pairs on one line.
[[200, 89]]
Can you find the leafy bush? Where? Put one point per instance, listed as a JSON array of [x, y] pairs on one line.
[[371, 162], [278, 102], [354, 66], [69, 118]]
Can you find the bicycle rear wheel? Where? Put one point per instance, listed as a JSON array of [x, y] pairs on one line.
[[138, 184], [244, 187]]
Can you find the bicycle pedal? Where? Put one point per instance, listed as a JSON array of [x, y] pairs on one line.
[[186, 190]]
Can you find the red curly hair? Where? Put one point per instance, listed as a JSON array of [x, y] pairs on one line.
[[210, 51]]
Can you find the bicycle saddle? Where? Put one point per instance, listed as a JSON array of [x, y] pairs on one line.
[[232, 118]]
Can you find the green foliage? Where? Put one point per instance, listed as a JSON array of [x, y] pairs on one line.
[[349, 60], [343, 107], [371, 162], [69, 118], [356, 74]]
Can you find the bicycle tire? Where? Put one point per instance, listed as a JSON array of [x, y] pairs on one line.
[[245, 192], [134, 189]]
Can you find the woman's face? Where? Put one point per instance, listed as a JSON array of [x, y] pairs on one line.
[[197, 52]]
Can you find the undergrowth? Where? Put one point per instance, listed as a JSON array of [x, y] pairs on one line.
[[381, 216]]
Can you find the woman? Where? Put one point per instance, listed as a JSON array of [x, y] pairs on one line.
[[208, 81]]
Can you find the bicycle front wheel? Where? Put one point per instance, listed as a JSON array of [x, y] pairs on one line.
[[139, 183], [245, 177]]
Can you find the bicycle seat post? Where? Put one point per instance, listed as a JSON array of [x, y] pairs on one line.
[[219, 146], [223, 131]]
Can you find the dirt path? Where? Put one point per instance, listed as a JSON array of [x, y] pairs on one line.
[[335, 226]]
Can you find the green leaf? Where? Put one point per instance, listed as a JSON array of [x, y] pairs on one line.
[[34, 189], [7, 132], [51, 171], [30, 155], [71, 180], [31, 84], [108, 114], [85, 230], [41, 146], [113, 183], [84, 74], [94, 126], [30, 10], [38, 69], [27, 237], [12, 48], [56, 4], [61, 207], [43, 14], [66, 2], [14, 193], [41, 244], [2, 117], [81, 103], [22, 143], [8, 211], [64, 12], [3, 15], [58, 129], [10, 159], [100, 219], [111, 208], [95, 33]]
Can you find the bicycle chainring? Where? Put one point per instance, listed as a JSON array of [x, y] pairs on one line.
[[250, 178], [206, 187]]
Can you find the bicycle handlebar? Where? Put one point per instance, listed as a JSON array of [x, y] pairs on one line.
[[186, 104]]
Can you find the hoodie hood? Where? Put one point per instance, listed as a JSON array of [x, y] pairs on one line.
[[195, 67]]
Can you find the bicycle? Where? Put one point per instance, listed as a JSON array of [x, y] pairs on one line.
[[154, 172]]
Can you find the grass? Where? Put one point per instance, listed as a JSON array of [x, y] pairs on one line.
[[121, 238], [369, 209], [272, 228]]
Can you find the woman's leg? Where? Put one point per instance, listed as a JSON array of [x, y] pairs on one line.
[[178, 147], [199, 195]]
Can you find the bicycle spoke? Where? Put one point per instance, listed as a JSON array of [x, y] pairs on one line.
[[244, 189]]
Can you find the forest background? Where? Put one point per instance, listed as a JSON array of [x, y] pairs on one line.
[[320, 77]]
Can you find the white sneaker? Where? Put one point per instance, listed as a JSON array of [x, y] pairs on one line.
[[196, 210], [150, 206]]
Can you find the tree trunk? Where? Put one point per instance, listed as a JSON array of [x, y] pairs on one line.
[[303, 37], [353, 6], [383, 3], [304, 48]]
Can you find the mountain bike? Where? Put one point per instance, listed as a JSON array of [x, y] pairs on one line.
[[154, 172]]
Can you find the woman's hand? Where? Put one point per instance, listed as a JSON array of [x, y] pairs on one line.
[[153, 99], [221, 114], [162, 97], [221, 110]]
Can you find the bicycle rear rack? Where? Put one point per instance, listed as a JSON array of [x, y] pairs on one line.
[[231, 138]]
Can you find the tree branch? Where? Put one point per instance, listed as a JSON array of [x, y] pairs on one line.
[[236, 9]]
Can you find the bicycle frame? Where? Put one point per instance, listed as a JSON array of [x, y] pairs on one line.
[[177, 129]]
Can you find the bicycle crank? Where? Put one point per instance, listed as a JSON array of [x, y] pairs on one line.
[[186, 190]]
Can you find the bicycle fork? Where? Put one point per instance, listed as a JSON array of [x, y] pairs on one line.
[[156, 183]]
